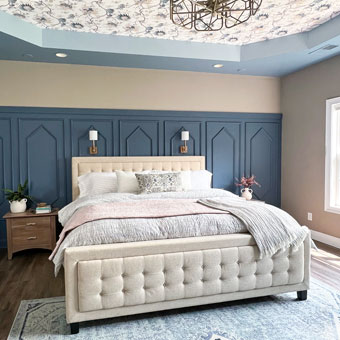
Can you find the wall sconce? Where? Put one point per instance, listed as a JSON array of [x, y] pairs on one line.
[[184, 137], [93, 136]]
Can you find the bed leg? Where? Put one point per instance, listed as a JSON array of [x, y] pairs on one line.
[[302, 295], [74, 328]]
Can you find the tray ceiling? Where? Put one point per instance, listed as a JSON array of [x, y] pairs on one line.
[[150, 18]]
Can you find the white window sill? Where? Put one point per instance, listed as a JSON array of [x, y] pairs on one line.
[[334, 210]]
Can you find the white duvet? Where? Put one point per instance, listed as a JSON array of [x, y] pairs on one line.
[[143, 229]]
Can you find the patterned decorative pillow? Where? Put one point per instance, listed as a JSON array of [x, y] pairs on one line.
[[159, 182]]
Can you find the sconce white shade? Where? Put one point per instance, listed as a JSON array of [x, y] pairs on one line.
[[93, 135], [185, 135]]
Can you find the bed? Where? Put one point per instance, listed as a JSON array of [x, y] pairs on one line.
[[112, 280]]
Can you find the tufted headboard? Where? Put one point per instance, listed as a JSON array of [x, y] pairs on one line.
[[83, 165]]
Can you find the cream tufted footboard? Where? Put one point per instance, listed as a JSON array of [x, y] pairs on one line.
[[120, 279]]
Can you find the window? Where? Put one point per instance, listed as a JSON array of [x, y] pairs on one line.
[[332, 173]]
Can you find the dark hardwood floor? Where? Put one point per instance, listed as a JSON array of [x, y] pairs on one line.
[[30, 276]]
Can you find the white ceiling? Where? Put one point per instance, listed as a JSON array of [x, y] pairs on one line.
[[150, 18]]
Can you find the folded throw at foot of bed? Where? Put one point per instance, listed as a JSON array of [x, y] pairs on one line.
[[272, 228]]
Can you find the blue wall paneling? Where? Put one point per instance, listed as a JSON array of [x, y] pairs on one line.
[[80, 136], [38, 144], [42, 161], [172, 137], [138, 137], [223, 153], [263, 149], [5, 171]]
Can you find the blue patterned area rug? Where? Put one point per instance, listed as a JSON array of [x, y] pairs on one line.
[[279, 317]]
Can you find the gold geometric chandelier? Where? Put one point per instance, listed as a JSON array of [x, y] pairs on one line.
[[212, 15]]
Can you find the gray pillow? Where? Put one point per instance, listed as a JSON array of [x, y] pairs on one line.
[[161, 182]]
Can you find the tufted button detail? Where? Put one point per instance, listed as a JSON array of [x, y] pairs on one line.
[[139, 280]]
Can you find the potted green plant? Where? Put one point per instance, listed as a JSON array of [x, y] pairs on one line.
[[18, 199]]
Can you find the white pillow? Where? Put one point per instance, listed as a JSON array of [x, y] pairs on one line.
[[186, 180], [200, 179], [96, 183], [127, 182]]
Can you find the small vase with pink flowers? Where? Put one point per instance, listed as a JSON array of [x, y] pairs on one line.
[[246, 183]]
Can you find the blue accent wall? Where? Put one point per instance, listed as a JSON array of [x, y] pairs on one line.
[[38, 143]]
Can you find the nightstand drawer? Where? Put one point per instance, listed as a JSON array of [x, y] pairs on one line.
[[24, 236], [29, 230], [30, 222]]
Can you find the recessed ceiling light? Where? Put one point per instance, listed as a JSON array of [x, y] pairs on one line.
[[61, 55], [218, 65], [27, 55], [328, 47]]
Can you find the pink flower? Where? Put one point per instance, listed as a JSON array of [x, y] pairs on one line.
[[247, 182]]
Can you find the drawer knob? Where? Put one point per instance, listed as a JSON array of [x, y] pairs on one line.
[[32, 238], [31, 223]]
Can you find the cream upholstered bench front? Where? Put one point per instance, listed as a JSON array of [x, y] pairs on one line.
[[121, 279]]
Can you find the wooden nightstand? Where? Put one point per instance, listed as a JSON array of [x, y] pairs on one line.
[[29, 230]]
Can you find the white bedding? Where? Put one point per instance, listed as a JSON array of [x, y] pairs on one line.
[[131, 230]]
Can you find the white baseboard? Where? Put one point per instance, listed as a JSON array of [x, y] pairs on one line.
[[327, 239]]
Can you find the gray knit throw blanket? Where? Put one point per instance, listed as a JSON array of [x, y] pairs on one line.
[[273, 229]]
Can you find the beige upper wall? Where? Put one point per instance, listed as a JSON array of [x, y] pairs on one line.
[[59, 85], [303, 100]]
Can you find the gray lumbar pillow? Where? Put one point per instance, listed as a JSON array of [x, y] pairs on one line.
[[161, 182]]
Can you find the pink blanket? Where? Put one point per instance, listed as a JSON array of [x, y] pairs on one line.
[[134, 209]]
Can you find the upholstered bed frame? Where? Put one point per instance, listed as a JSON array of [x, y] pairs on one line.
[[112, 280]]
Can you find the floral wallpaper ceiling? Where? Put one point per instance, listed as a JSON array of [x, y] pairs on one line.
[[150, 18]]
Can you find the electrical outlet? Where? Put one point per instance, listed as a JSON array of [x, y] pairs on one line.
[[309, 216]]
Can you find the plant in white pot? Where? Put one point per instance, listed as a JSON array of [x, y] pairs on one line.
[[246, 183], [18, 199]]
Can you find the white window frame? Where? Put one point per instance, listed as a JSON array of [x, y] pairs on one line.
[[332, 164]]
